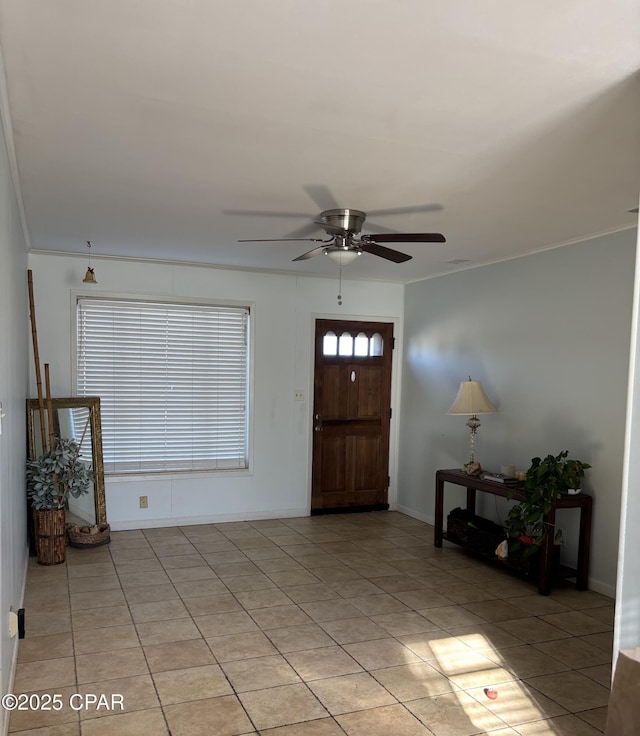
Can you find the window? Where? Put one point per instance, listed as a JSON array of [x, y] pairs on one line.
[[346, 346], [172, 380]]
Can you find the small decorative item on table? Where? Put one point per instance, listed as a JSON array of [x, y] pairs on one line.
[[473, 468]]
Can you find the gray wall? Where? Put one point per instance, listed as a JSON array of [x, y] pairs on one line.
[[548, 336], [13, 390]]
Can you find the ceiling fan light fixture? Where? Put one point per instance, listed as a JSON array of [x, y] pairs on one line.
[[342, 256]]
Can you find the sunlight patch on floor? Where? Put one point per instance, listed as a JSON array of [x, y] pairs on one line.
[[462, 661]]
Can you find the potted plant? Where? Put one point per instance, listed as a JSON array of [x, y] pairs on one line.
[[546, 481], [51, 478]]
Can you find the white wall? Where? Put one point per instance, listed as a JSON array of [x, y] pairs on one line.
[[284, 309], [548, 336], [14, 333], [627, 623]]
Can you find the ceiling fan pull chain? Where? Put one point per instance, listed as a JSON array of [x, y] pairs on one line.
[[340, 287]]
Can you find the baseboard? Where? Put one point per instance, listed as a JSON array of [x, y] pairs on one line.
[[603, 588], [415, 514], [119, 526], [6, 715]]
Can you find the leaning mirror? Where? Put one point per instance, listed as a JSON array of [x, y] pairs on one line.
[[70, 416]]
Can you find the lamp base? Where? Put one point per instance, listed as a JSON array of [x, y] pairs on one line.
[[472, 468]]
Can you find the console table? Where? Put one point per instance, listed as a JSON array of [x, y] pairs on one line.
[[578, 501]]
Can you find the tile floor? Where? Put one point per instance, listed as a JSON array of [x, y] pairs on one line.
[[322, 626]]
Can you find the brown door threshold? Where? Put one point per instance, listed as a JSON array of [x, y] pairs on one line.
[[351, 509]]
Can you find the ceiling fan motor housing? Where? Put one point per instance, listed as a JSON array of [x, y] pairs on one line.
[[349, 220]]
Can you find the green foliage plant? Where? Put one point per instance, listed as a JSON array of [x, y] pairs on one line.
[[547, 480], [56, 473]]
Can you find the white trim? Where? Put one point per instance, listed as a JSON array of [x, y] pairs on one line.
[[208, 519], [542, 249], [6, 715], [202, 264], [396, 370], [115, 478], [415, 514], [603, 588]]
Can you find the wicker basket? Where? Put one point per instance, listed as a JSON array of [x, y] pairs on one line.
[[84, 537], [457, 526], [49, 535]]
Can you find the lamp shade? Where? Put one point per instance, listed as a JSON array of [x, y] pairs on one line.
[[472, 400]]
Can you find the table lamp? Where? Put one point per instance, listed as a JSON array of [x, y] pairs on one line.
[[471, 401]]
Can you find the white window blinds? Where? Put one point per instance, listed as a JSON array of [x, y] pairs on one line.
[[172, 380]]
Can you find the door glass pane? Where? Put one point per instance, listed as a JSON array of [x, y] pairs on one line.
[[346, 344], [376, 344], [330, 344], [362, 345]]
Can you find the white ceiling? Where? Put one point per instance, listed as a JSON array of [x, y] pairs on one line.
[[138, 124]]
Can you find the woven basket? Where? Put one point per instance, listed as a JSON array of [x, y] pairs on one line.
[[49, 534], [476, 534], [84, 539], [457, 526]]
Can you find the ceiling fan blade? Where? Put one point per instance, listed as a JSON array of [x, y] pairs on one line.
[[310, 253], [321, 195], [277, 240], [407, 210], [379, 228], [406, 238], [388, 253], [265, 213], [304, 230]]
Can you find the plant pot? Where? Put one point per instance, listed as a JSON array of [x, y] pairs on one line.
[[50, 532]]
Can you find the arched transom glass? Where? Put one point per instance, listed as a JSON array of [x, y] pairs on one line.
[[347, 346]]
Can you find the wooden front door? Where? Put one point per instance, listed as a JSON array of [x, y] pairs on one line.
[[351, 415]]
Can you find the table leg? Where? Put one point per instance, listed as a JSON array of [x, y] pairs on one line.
[[584, 543], [439, 511], [471, 500], [545, 573]]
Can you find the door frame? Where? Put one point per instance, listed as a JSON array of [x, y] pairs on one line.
[[396, 365]]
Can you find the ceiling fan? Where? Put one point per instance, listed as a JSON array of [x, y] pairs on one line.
[[346, 242]]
